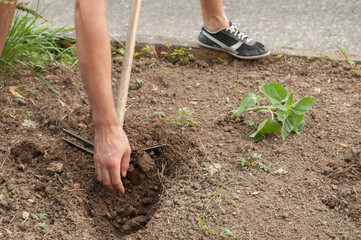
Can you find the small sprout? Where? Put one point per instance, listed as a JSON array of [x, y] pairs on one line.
[[279, 56], [29, 113], [151, 65], [309, 57], [42, 215], [159, 114], [348, 60], [285, 44], [227, 233], [42, 227], [168, 46], [137, 80]]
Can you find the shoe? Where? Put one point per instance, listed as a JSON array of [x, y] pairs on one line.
[[232, 41]]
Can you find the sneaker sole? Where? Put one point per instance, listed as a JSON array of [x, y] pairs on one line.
[[235, 55]]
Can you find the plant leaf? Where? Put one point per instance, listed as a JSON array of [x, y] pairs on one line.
[[281, 115], [289, 101], [287, 126], [275, 94], [248, 101], [298, 129], [267, 126], [303, 105]]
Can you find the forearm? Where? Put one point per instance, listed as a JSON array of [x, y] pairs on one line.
[[94, 52], [6, 17]]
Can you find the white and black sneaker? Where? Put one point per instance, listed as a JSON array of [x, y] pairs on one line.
[[234, 42]]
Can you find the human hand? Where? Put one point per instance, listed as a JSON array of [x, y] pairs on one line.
[[111, 156]]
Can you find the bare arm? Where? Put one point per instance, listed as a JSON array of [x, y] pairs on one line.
[[112, 150], [6, 17]]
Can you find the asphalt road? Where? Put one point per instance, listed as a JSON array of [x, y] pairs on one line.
[[302, 25]]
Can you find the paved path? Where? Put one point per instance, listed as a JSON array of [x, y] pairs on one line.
[[302, 24]]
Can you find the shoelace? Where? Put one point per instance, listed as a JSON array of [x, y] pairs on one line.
[[238, 33]]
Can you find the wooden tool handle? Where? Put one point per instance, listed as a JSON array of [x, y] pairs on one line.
[[127, 62]]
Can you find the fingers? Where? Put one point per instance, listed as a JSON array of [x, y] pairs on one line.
[[125, 162], [108, 172], [116, 182]]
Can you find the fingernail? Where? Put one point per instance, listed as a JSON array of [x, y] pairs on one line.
[[124, 173]]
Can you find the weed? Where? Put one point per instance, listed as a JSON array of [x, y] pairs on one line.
[[252, 161], [289, 113], [181, 55], [33, 45], [137, 80], [279, 56], [151, 65], [29, 113], [159, 114], [42, 227], [42, 215], [184, 119], [348, 60], [227, 233], [218, 59], [309, 57], [149, 50], [285, 44]]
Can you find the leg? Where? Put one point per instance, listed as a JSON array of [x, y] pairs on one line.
[[111, 147], [6, 18], [218, 33], [214, 17]]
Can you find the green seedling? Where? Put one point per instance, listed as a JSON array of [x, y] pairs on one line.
[[42, 227], [181, 55], [348, 60], [184, 119], [227, 233], [285, 44], [151, 65], [168, 46], [137, 80], [289, 113], [159, 114], [42, 215], [29, 113], [279, 56], [253, 161], [218, 59], [149, 50], [309, 57]]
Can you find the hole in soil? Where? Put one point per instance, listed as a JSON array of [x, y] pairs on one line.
[[73, 196]]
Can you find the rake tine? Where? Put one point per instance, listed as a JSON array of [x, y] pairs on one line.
[[78, 146], [78, 137]]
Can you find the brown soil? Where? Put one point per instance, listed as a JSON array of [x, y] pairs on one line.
[[194, 178]]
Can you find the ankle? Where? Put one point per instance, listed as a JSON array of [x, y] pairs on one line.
[[215, 24]]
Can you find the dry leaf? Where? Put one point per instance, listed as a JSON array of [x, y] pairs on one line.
[[342, 145]]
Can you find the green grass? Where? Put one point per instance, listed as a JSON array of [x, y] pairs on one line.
[[348, 60], [33, 45]]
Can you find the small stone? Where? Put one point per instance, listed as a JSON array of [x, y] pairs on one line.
[[2, 197], [168, 203], [55, 167], [198, 85], [181, 190], [29, 124], [76, 185], [21, 101], [40, 186], [26, 215], [193, 103], [334, 187], [30, 200]]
